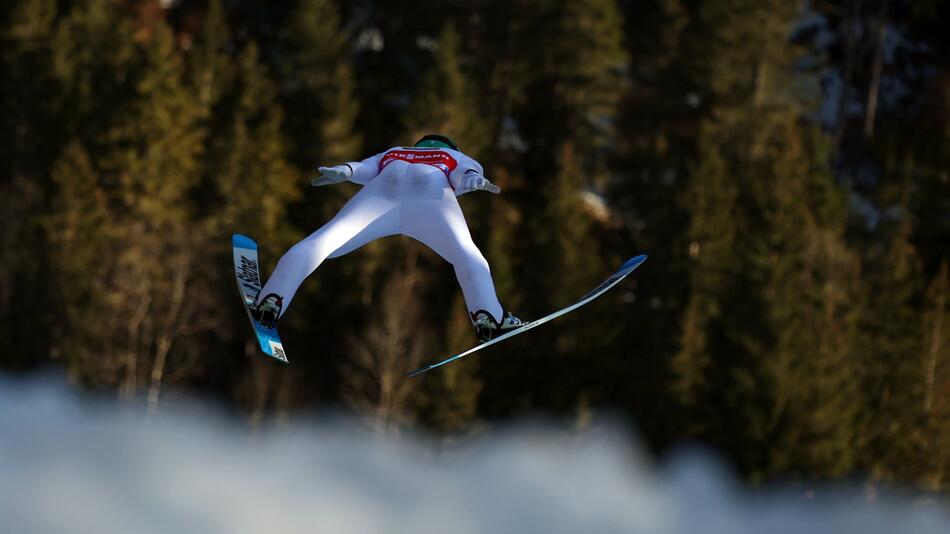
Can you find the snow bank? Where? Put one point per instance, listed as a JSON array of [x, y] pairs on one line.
[[68, 465]]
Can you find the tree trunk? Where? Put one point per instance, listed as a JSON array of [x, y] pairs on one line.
[[874, 89]]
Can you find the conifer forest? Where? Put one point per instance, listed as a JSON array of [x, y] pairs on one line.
[[784, 163]]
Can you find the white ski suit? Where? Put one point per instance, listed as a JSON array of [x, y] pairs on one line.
[[408, 191]]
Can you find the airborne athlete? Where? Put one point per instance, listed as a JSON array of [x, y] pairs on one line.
[[409, 191]]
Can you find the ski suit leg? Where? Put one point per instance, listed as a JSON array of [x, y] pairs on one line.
[[441, 226], [368, 215]]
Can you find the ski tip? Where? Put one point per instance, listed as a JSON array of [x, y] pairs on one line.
[[633, 262], [242, 241], [418, 371]]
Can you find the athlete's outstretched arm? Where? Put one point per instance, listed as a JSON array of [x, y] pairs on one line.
[[360, 172], [467, 177]]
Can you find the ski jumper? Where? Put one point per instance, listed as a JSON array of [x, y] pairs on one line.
[[407, 191]]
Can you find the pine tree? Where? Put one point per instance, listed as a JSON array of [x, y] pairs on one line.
[[94, 62], [658, 122], [575, 76], [814, 294], [157, 164], [29, 138], [445, 103], [312, 70], [27, 89], [247, 186], [210, 66], [448, 400], [80, 229], [712, 198], [316, 82], [92, 46], [903, 376], [893, 331], [893, 152], [375, 381], [132, 115], [937, 379], [768, 336], [579, 65], [253, 181]]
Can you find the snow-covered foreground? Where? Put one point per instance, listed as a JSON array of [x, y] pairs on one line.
[[70, 466]]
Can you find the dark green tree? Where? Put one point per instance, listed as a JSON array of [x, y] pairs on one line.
[[768, 334], [28, 137], [316, 82], [134, 118], [247, 186], [575, 76], [80, 228], [936, 434], [210, 65], [446, 103]]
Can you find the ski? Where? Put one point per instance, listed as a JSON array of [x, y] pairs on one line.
[[247, 272], [625, 269]]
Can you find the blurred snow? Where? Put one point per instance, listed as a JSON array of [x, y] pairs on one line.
[[78, 466]]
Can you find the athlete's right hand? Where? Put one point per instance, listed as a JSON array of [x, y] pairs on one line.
[[332, 175]]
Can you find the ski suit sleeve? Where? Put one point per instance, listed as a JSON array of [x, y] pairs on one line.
[[465, 166], [364, 171]]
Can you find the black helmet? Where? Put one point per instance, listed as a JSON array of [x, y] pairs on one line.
[[436, 141]]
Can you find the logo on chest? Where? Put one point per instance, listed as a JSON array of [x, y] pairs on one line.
[[437, 158]]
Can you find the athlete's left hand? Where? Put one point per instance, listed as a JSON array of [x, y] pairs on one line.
[[476, 182]]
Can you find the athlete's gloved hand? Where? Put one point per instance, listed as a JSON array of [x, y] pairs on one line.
[[332, 175], [476, 182]]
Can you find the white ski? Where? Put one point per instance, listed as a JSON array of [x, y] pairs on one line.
[[610, 282]]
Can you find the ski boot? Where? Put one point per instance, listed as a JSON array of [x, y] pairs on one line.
[[267, 311], [487, 328]]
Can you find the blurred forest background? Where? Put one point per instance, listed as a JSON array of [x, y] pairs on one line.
[[785, 164]]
